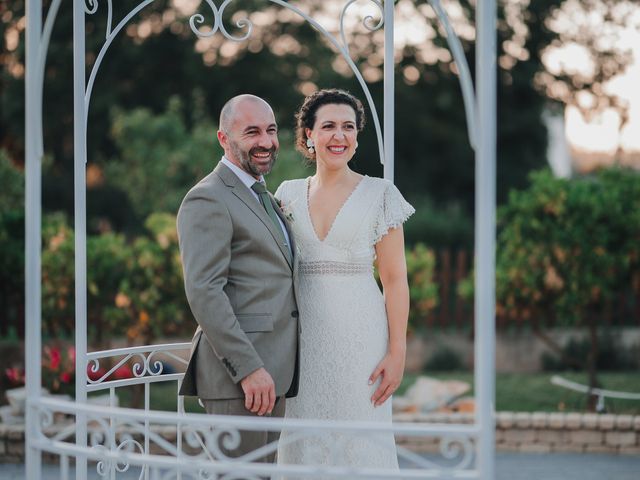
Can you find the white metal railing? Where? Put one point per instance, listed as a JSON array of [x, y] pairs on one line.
[[596, 392], [192, 444]]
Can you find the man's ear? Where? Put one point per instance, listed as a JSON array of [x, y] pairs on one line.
[[223, 139]]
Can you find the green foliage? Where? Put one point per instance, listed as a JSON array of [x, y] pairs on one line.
[[439, 227], [158, 158], [612, 355], [135, 288], [566, 247], [12, 182], [423, 291], [11, 245], [444, 359], [534, 392]]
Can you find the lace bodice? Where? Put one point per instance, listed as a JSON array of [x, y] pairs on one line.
[[374, 207]]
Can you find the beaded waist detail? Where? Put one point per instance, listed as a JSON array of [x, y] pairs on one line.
[[334, 268]]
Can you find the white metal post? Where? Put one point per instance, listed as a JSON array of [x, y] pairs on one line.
[[389, 90], [80, 156], [485, 218], [33, 208]]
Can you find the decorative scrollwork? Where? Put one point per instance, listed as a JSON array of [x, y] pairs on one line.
[[218, 24], [143, 365], [367, 21], [91, 6], [45, 417], [452, 448]]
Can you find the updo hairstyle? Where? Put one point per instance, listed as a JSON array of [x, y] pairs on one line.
[[306, 114]]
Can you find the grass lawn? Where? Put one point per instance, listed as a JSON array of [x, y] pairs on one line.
[[533, 392], [514, 392]]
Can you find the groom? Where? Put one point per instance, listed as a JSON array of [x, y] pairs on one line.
[[238, 264]]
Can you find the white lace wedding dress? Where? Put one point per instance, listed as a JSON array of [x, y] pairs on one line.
[[343, 321]]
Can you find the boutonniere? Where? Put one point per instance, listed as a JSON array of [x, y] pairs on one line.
[[287, 210]]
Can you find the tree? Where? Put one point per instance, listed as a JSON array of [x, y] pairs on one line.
[[566, 249]]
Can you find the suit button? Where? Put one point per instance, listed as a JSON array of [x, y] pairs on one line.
[[295, 314]]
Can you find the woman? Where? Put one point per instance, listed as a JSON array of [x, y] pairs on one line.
[[353, 344]]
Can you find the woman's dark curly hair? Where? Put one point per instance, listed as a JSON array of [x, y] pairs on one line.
[[306, 114]]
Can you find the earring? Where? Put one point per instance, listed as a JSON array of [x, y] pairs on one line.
[[310, 146]]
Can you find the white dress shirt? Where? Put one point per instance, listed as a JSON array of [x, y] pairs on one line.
[[249, 180]]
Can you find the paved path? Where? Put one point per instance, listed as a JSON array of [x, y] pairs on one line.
[[510, 466]]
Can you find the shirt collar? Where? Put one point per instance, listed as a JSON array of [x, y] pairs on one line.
[[244, 177]]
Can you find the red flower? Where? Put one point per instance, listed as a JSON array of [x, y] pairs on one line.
[[95, 375], [65, 377], [54, 357], [15, 375], [122, 373]]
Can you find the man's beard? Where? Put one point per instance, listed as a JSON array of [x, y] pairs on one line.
[[248, 165]]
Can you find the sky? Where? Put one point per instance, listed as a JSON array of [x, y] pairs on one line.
[[602, 133]]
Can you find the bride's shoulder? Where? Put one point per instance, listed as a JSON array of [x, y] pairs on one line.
[[379, 184], [289, 188]]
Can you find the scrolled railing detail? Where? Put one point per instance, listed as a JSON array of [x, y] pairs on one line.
[[144, 364], [367, 21], [91, 6], [116, 440]]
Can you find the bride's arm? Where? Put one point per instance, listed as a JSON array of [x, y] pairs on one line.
[[392, 268]]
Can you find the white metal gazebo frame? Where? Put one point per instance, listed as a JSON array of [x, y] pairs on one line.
[[118, 438]]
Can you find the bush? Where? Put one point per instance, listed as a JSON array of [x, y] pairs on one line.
[[439, 226], [423, 291], [566, 249], [444, 359]]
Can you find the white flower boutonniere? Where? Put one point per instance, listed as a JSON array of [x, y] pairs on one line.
[[287, 211]]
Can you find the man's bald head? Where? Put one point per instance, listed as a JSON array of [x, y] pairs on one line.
[[233, 106], [248, 134]]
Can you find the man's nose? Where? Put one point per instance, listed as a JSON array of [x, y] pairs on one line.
[[265, 141]]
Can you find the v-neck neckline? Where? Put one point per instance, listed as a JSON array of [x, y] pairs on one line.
[[335, 218]]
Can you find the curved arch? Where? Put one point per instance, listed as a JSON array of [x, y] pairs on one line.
[[43, 47], [218, 25], [466, 84], [111, 35]]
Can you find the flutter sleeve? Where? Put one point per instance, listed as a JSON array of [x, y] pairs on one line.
[[392, 212]]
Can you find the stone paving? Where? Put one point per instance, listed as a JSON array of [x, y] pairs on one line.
[[509, 466]]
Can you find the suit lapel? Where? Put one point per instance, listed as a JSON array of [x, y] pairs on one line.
[[285, 222], [241, 191]]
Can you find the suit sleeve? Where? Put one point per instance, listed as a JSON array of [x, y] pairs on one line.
[[205, 231]]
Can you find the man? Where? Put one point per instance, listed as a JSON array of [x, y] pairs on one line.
[[238, 264]]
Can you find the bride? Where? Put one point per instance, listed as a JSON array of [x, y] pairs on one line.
[[353, 337]]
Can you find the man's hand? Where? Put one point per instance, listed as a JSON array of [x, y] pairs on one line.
[[259, 392]]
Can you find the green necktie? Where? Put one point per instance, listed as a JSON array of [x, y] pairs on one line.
[[265, 200]]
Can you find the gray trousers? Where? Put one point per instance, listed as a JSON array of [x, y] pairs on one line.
[[250, 440]]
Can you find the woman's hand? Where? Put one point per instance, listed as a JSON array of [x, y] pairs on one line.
[[391, 367]]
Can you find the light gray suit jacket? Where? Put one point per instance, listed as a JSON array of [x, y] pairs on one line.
[[240, 287]]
